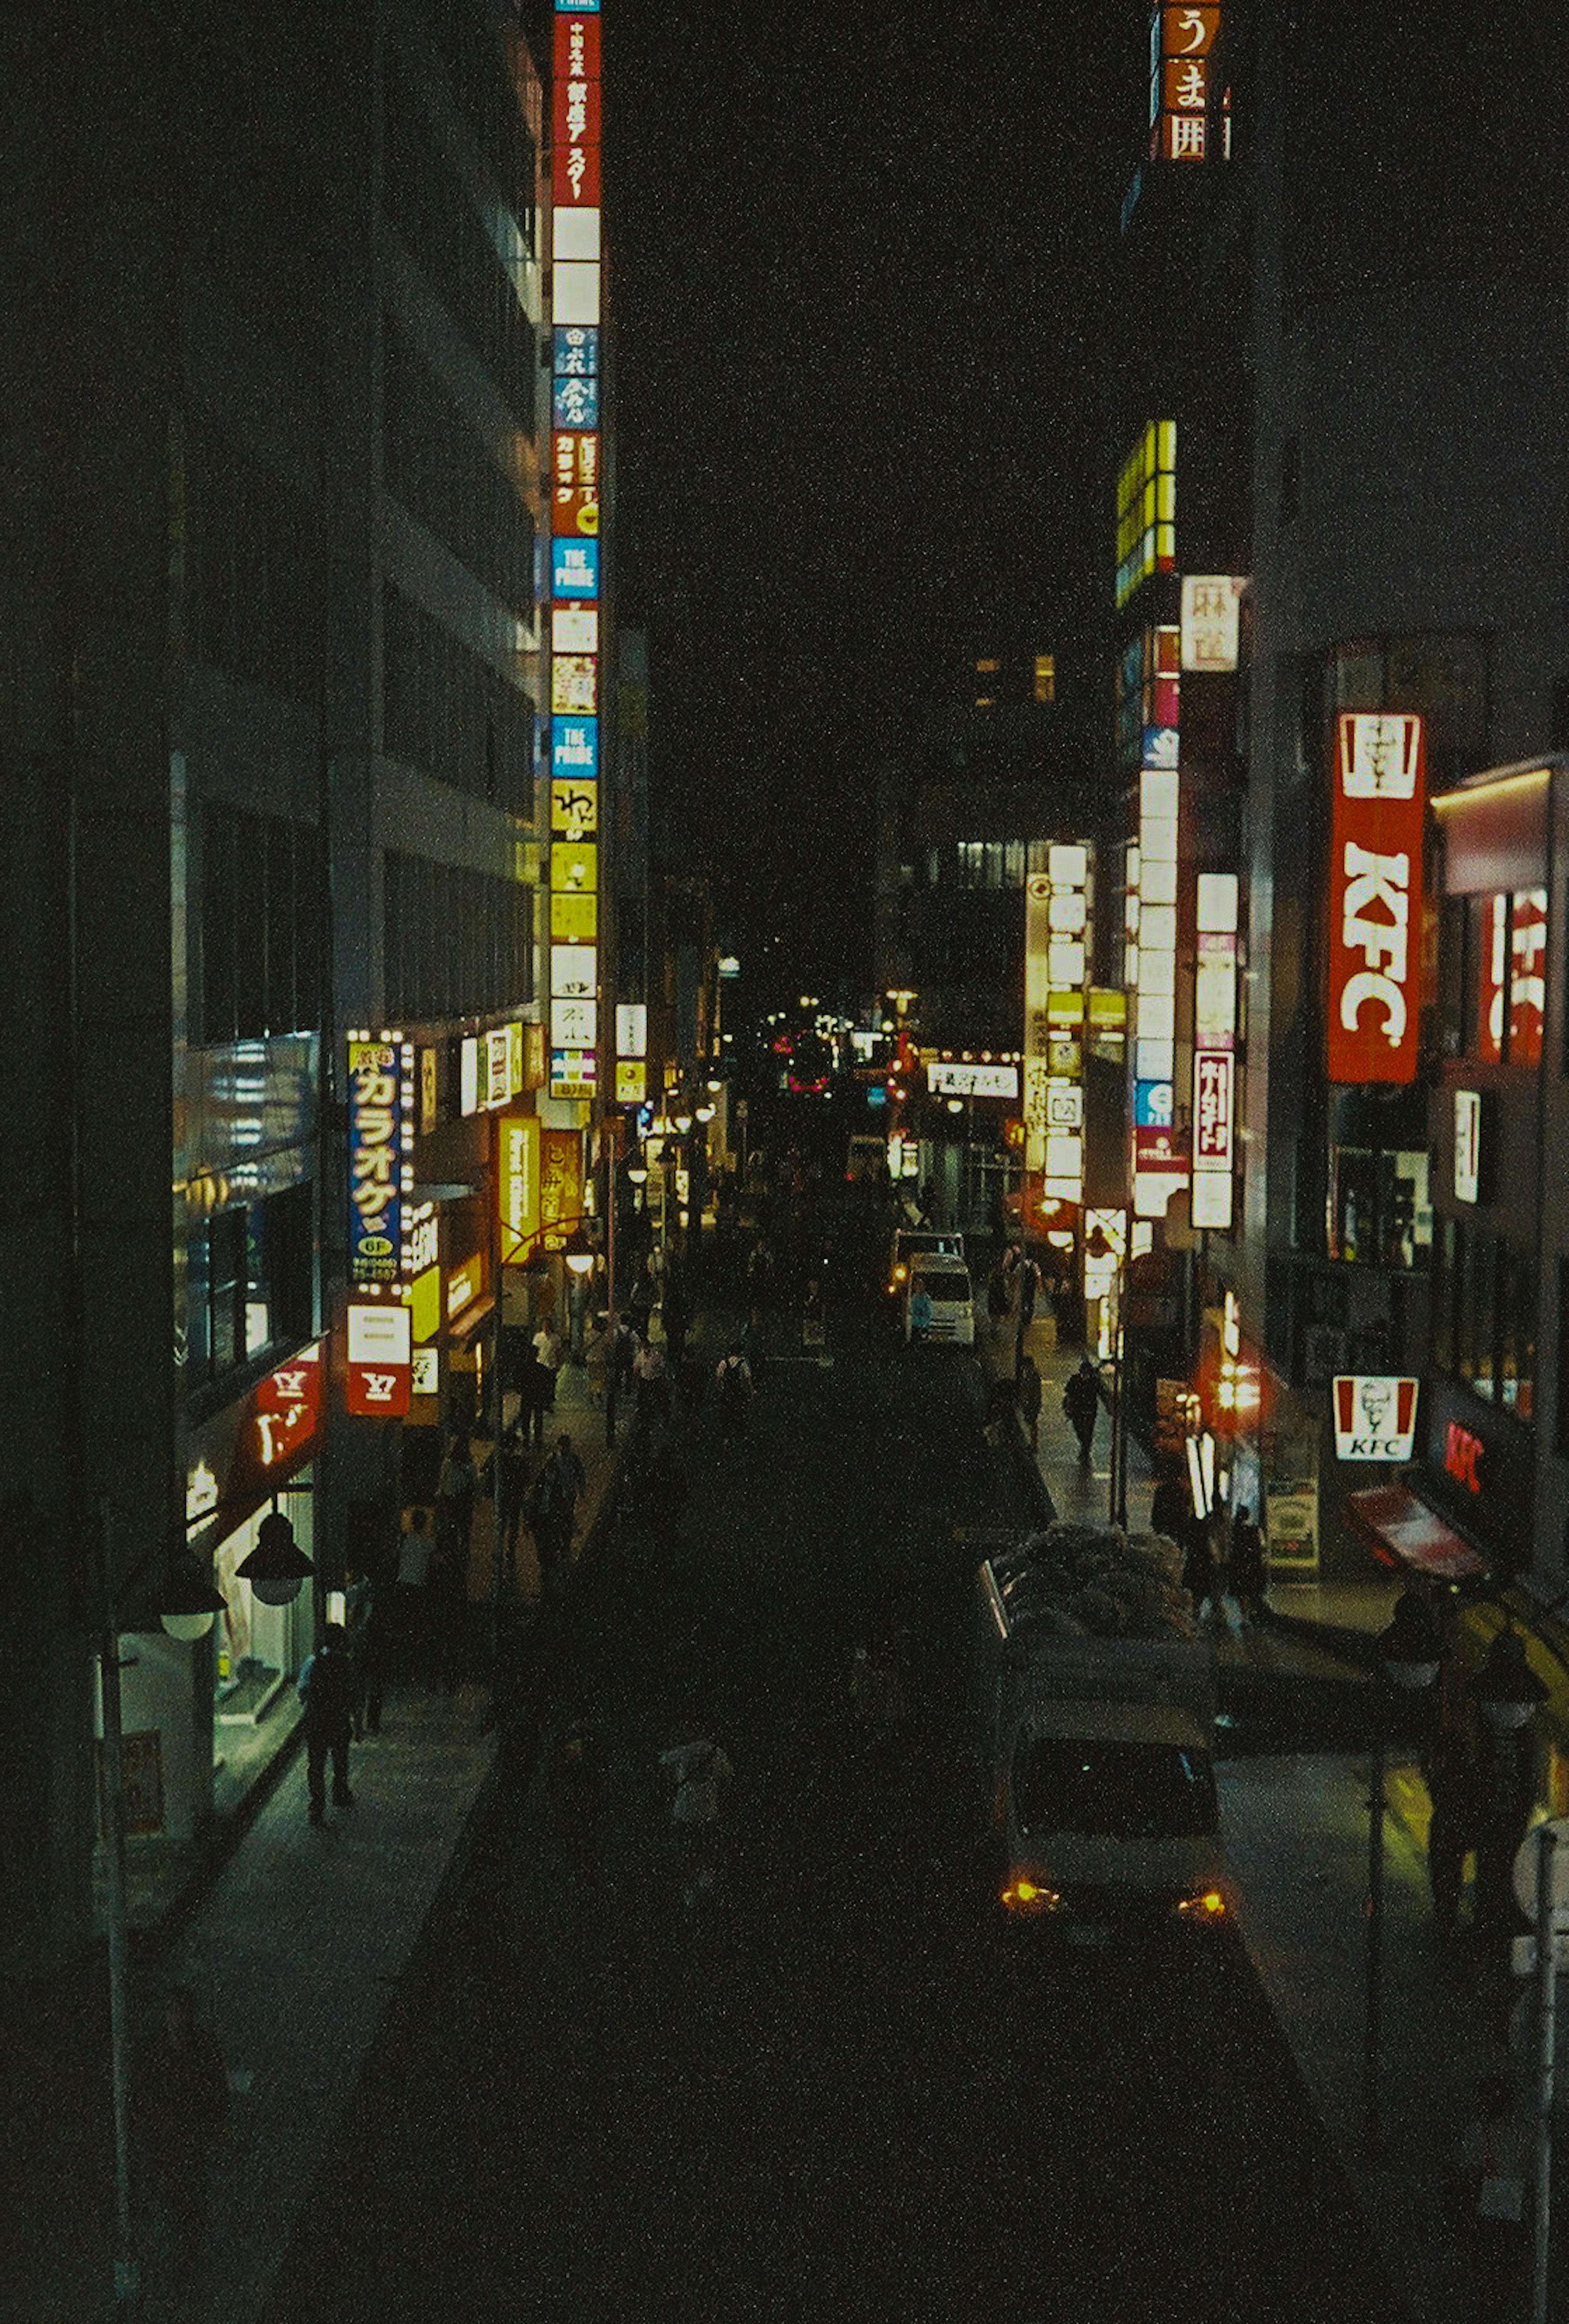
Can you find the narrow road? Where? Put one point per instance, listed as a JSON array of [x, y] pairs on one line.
[[835, 2091]]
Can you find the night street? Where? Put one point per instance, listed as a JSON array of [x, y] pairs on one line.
[[833, 2089]]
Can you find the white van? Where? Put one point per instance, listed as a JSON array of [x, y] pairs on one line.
[[938, 1305]]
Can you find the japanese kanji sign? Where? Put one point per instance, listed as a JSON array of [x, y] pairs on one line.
[[381, 1137]]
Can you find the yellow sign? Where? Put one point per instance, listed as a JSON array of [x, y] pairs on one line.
[[573, 919], [464, 1284], [520, 1183], [575, 808], [574, 870], [425, 1305], [632, 1081]]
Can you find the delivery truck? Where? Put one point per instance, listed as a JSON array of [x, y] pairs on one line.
[[1093, 1711]]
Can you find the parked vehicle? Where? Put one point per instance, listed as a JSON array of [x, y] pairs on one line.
[[1097, 1743], [938, 1303]]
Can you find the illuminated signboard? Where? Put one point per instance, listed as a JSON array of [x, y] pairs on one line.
[[424, 1372], [464, 1285], [1159, 1162], [577, 401], [574, 810], [1375, 897], [1213, 1041], [1056, 957], [574, 747], [377, 1380], [1375, 1417], [380, 1109], [519, 1196], [1467, 1146], [497, 1066], [574, 628], [1147, 507], [1181, 40], [574, 568], [632, 1081], [574, 402], [944, 1078], [1211, 621], [560, 1186], [632, 1030]]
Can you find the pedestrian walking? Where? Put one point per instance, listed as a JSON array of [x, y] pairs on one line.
[[536, 1387], [1245, 1565], [1081, 1403], [416, 1550], [1200, 1577], [1450, 1775], [553, 1513], [919, 1311], [760, 1276], [180, 2098], [1029, 1400], [551, 1349], [326, 1686], [733, 1379], [579, 1293], [511, 1492], [702, 1774], [619, 1359], [372, 1645], [651, 1375], [455, 1493], [675, 1310]]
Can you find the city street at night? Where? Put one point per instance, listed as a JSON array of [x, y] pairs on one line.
[[835, 2089]]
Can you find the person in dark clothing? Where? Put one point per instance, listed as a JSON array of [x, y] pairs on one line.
[[1200, 1577], [1245, 1565], [536, 1386], [676, 1311], [553, 1519], [326, 1687], [1081, 1403], [619, 1359], [1169, 1508], [1029, 1399], [370, 1642], [1452, 1831], [512, 1492]]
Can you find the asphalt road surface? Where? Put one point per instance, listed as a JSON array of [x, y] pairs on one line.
[[832, 2089]]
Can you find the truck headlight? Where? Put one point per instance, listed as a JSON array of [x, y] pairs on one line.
[[1025, 1895], [1205, 1906]]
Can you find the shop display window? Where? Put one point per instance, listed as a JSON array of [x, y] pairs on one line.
[[1484, 1316], [1379, 1212], [1502, 995]]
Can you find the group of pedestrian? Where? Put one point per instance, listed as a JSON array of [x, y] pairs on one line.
[[1208, 1579]]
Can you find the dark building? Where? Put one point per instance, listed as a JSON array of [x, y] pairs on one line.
[[270, 630]]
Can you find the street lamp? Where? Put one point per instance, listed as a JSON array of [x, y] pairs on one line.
[[277, 1566], [1098, 1245], [1409, 1653]]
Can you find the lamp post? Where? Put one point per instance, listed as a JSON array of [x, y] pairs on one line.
[[1410, 1654], [1098, 1246]]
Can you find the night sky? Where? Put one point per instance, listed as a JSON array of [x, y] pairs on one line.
[[860, 255]]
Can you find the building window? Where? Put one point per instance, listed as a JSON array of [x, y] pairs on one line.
[[1379, 1212], [249, 1287], [1484, 1317], [1498, 991], [259, 927]]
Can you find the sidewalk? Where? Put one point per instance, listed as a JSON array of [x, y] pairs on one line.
[[1297, 1827], [295, 1953]]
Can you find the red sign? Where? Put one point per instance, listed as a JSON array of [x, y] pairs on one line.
[[378, 1379], [577, 47], [1463, 1454], [288, 1409], [574, 511], [1375, 897]]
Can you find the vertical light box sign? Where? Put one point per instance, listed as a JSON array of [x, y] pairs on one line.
[[1068, 956], [1159, 1169], [1214, 1049], [1037, 1044], [577, 421]]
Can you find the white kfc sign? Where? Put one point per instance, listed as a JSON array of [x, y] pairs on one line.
[[1375, 1417]]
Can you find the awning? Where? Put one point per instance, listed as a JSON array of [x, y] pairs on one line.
[[464, 1324], [1403, 1531]]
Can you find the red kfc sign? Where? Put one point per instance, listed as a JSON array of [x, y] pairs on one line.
[[377, 1383], [1375, 897]]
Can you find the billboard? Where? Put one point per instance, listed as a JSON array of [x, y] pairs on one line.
[[1375, 897], [377, 1382], [380, 1111], [1375, 1417]]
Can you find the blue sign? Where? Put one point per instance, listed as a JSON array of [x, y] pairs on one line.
[[1161, 746], [574, 747], [875, 1096], [574, 402], [576, 351], [574, 568], [1154, 1104], [577, 7]]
